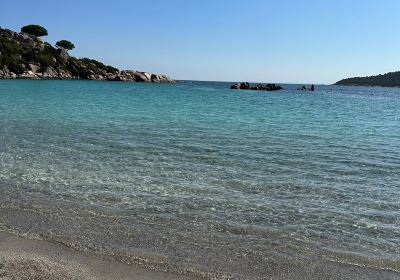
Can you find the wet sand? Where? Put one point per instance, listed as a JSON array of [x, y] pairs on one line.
[[23, 259]]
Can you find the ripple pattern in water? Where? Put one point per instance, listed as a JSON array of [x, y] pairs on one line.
[[319, 171]]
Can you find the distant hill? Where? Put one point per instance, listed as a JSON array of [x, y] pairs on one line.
[[391, 79], [23, 55]]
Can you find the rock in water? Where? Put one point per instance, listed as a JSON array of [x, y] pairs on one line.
[[140, 77], [245, 85], [235, 86]]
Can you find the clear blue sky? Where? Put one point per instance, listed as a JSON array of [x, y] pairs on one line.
[[295, 41]]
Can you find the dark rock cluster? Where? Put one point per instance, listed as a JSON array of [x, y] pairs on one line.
[[267, 87], [304, 88]]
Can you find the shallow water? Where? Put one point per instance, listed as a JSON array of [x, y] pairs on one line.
[[198, 177]]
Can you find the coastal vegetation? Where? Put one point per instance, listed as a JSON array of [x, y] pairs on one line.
[[65, 44], [25, 56], [35, 30], [391, 79]]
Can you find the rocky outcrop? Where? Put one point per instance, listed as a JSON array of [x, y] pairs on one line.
[[267, 87], [23, 56], [134, 76]]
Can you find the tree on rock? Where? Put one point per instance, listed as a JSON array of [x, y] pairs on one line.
[[66, 45], [35, 30]]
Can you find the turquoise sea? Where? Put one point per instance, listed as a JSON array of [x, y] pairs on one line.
[[199, 178]]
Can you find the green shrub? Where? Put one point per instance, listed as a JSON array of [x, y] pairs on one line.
[[93, 64], [44, 59], [17, 68], [9, 47], [13, 64], [29, 55]]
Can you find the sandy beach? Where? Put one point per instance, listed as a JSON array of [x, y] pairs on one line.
[[23, 259]]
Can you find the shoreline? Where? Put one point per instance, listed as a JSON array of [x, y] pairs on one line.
[[124, 77], [23, 258]]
